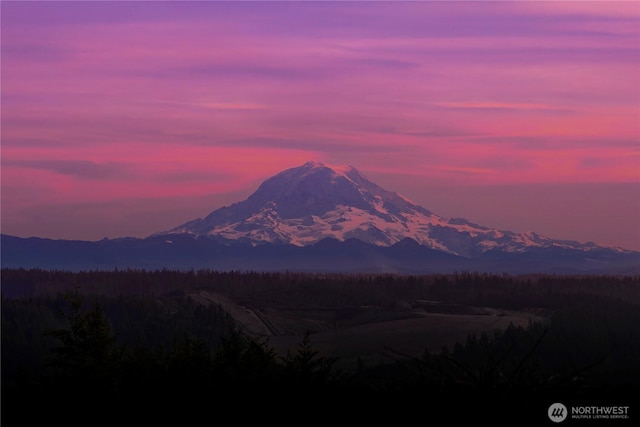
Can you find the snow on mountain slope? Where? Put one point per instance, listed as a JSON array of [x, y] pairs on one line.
[[303, 205]]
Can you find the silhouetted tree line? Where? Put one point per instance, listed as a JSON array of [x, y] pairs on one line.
[[106, 341], [329, 289]]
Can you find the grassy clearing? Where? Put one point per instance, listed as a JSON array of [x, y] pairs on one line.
[[375, 342]]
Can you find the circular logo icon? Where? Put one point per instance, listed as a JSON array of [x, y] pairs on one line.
[[557, 412]]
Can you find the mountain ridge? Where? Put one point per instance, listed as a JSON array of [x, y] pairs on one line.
[[188, 252]]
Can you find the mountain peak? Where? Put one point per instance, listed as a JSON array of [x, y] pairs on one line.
[[338, 169], [312, 164]]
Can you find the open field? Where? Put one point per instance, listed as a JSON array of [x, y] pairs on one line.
[[371, 334], [376, 342]]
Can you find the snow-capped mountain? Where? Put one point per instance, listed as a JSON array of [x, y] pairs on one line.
[[304, 205], [321, 218]]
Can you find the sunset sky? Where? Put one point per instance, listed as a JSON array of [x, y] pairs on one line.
[[129, 118]]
